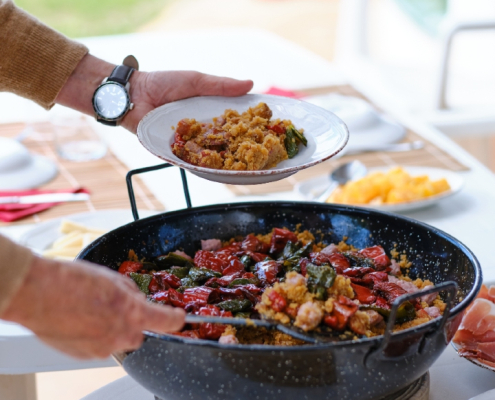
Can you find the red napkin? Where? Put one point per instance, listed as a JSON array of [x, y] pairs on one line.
[[282, 92], [13, 212]]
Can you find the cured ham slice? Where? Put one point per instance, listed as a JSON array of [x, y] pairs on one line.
[[476, 334], [480, 318]]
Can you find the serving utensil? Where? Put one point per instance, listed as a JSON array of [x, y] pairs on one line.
[[343, 174], [292, 331], [316, 337], [44, 198]]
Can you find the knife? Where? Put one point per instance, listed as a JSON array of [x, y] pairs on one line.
[[44, 198]]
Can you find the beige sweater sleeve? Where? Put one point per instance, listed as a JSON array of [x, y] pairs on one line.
[[35, 60], [15, 261]]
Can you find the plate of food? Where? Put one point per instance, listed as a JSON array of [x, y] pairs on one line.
[[63, 238], [393, 189], [475, 338], [244, 140]]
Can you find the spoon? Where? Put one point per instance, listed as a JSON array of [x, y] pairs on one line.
[[259, 323], [343, 174]]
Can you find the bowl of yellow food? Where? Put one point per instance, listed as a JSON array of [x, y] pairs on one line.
[[392, 189]]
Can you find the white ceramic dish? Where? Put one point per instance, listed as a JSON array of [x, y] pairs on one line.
[[326, 133], [367, 127], [44, 234], [312, 188]]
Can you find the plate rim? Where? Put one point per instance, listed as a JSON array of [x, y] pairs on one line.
[[407, 205], [235, 173]]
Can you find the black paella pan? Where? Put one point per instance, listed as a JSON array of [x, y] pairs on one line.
[[175, 368]]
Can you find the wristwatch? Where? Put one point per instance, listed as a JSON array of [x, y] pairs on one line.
[[111, 100]]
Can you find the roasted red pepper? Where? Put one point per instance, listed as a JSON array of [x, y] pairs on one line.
[[231, 264], [268, 270], [389, 290], [278, 302], [201, 295], [161, 296], [382, 303], [377, 254], [277, 128], [373, 277], [154, 286], [176, 298], [253, 244], [257, 257], [212, 331], [358, 272], [363, 294], [206, 259], [130, 266], [302, 264], [280, 237], [167, 279], [231, 249], [343, 309]]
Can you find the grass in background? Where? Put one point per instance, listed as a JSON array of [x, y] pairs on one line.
[[79, 18]]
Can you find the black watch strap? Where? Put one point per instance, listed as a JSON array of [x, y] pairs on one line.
[[121, 74], [105, 122]]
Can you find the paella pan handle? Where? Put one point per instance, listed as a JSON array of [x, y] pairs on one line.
[[450, 287], [130, 189]]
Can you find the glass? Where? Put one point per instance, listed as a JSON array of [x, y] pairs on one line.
[[75, 139]]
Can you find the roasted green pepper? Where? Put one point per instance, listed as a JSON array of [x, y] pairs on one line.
[[188, 282], [202, 274], [244, 281], [142, 280], [234, 306], [298, 135], [179, 272], [247, 261], [291, 144], [405, 312], [320, 278]]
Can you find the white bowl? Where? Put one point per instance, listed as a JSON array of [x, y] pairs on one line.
[[326, 133]]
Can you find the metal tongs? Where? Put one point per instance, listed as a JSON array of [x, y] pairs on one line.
[[292, 331]]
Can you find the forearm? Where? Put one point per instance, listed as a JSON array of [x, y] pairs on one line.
[[35, 60], [79, 88], [15, 262]]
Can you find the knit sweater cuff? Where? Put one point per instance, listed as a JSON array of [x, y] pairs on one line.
[[35, 60], [15, 262]]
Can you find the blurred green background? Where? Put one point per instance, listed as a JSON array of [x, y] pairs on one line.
[[77, 18]]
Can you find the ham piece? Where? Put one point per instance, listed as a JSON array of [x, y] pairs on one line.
[[211, 244], [476, 335]]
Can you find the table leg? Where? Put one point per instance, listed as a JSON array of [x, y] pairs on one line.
[[18, 387]]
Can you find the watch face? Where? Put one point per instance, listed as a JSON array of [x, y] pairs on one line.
[[111, 100]]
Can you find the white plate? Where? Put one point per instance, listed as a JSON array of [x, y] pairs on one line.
[[326, 133], [312, 188], [366, 126], [44, 234]]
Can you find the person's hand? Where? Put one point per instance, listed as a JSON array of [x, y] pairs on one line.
[[148, 89], [153, 89], [87, 311]]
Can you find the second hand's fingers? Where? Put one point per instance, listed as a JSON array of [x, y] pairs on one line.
[[163, 319], [210, 85]]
